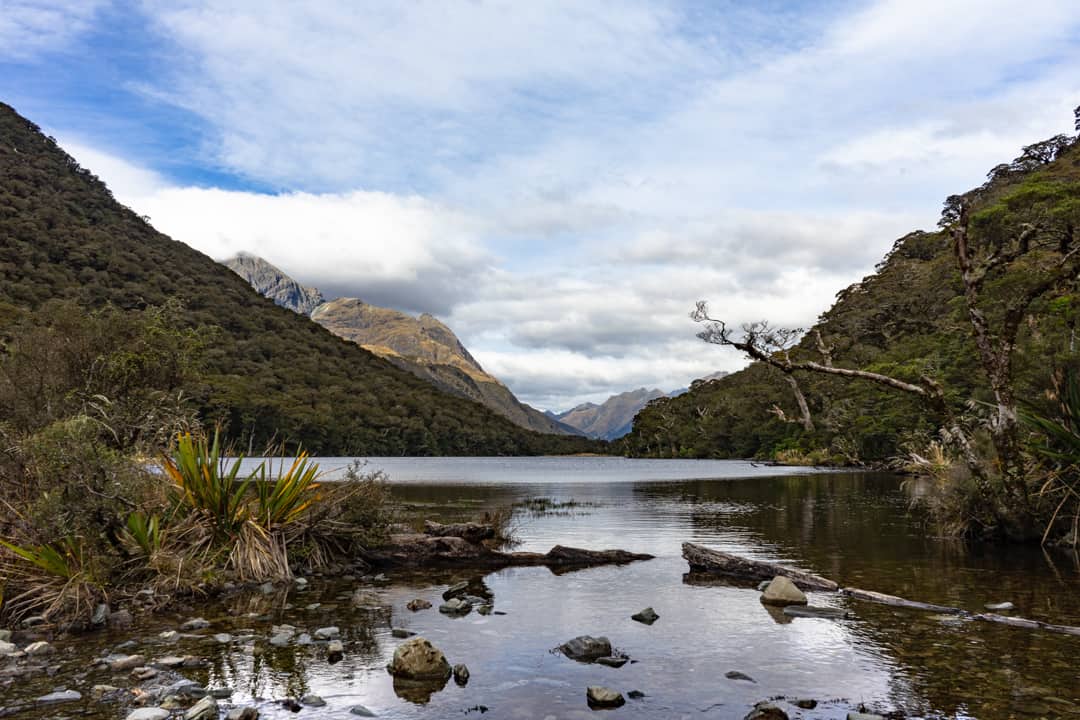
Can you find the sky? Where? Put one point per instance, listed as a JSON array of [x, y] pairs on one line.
[[558, 181]]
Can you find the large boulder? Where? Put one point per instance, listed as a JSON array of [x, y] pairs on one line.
[[586, 648], [781, 591], [418, 659]]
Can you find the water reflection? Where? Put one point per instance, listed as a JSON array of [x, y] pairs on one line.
[[854, 528]]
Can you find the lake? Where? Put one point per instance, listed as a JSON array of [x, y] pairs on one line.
[[856, 528]]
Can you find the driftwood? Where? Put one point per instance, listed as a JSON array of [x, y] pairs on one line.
[[714, 562], [703, 559], [884, 599], [417, 550]]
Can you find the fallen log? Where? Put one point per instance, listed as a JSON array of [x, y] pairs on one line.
[[417, 550], [895, 601], [703, 559]]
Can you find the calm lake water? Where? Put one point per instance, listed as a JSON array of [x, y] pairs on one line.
[[855, 528]]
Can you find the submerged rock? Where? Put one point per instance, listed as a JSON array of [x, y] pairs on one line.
[[809, 611], [418, 659], [126, 662], [313, 701], [361, 711], [805, 703], [647, 616], [781, 591], [736, 675], [456, 606], [418, 604], [586, 648], [603, 697], [194, 624], [60, 696], [401, 633]]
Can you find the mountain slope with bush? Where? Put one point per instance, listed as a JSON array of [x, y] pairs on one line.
[[269, 373]]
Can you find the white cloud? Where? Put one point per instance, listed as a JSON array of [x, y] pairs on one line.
[[30, 27], [561, 181]]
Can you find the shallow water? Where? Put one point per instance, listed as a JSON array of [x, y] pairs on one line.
[[855, 528]]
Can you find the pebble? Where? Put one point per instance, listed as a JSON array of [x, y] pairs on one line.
[[997, 607], [39, 648], [126, 662], [401, 633], [418, 604], [327, 633], [312, 701], [223, 638], [361, 711], [194, 624]]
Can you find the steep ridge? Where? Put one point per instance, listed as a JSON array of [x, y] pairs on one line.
[[611, 419], [271, 373], [908, 319], [429, 349], [274, 284]]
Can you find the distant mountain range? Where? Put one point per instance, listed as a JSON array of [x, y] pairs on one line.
[[614, 417], [421, 345]]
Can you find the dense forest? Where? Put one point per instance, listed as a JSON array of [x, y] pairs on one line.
[[909, 321], [266, 373]]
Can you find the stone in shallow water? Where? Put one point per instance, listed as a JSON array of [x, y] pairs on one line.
[[312, 701], [615, 661], [418, 604], [60, 696], [205, 709], [598, 696], [586, 648], [863, 716], [456, 607], [999, 607], [647, 616], [335, 651], [151, 713], [194, 624], [781, 591], [39, 648], [327, 633], [418, 659], [805, 703], [401, 633], [126, 662], [461, 674], [809, 611], [766, 711], [736, 675], [244, 713], [361, 711]]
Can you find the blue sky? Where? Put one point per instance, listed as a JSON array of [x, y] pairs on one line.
[[559, 181]]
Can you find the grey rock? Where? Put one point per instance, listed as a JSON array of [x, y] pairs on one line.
[[169, 662], [205, 709], [312, 701], [244, 713], [335, 651], [194, 624], [615, 661], [101, 614], [736, 675], [5, 636], [121, 620], [271, 282], [456, 590], [635, 694], [586, 648], [223, 638], [461, 674], [304, 639], [361, 711], [60, 696], [781, 591], [602, 697], [150, 713], [456, 607], [418, 659], [805, 703], [169, 636], [99, 691], [766, 711], [144, 673], [485, 609], [401, 633], [647, 616], [863, 716], [126, 662], [418, 604], [810, 611], [327, 633], [6, 648], [39, 648], [999, 607], [267, 588], [33, 621]]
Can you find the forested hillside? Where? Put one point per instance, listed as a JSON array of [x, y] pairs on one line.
[[909, 320], [269, 373]]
